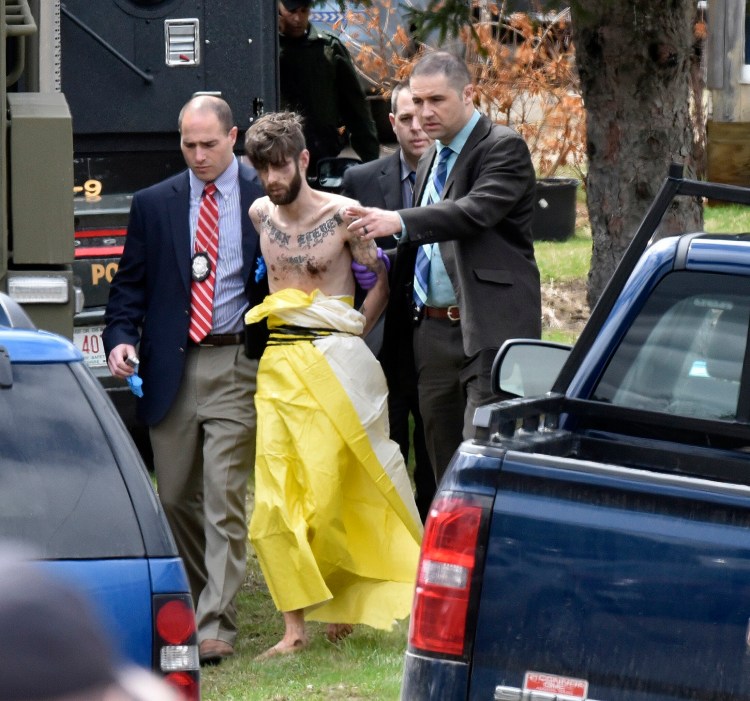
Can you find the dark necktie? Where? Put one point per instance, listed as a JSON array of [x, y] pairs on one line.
[[412, 177]]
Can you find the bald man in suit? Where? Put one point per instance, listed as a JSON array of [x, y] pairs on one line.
[[197, 395]]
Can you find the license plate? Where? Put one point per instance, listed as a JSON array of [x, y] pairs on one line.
[[566, 688], [88, 340]]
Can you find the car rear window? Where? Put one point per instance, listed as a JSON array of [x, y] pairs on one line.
[[685, 352], [61, 491]]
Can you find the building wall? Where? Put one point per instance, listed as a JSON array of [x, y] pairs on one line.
[[728, 79]]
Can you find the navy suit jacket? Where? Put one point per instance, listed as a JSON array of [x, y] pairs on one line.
[[149, 300]]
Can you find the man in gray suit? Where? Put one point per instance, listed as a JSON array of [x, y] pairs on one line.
[[389, 183], [474, 227]]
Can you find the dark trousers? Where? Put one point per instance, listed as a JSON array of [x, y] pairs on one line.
[[451, 386], [402, 401]]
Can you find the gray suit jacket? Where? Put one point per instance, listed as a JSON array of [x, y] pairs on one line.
[[483, 225]]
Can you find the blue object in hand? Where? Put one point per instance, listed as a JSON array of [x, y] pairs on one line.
[[136, 385], [260, 269]]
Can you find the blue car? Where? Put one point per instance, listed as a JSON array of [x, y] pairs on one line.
[[75, 492]]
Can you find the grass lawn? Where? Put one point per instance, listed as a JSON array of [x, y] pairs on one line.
[[366, 665]]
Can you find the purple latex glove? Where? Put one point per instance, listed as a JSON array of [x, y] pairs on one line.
[[366, 279]]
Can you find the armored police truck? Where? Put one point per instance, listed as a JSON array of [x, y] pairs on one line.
[[36, 174]]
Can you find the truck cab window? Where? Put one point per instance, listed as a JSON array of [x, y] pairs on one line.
[[685, 351]]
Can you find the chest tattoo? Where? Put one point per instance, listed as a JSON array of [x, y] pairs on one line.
[[275, 235], [302, 261], [312, 238]]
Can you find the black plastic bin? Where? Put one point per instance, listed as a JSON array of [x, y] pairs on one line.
[[555, 209]]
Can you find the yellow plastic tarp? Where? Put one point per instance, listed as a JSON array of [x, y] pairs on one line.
[[335, 526]]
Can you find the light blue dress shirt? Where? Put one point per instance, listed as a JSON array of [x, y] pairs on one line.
[[440, 291]]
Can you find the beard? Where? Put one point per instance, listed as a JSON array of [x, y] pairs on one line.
[[290, 192]]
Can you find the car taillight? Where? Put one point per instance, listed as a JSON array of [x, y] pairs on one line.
[[176, 643], [445, 575]]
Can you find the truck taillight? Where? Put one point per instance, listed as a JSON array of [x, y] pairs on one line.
[[176, 644], [447, 565]]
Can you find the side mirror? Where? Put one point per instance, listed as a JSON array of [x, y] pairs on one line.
[[527, 367]]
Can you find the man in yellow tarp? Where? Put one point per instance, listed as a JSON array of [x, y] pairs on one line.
[[334, 524]]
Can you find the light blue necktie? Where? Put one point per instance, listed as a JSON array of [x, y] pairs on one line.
[[424, 253]]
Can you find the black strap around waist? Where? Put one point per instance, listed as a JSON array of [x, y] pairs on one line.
[[282, 335]]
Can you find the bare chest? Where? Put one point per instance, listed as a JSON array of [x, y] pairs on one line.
[[314, 255]]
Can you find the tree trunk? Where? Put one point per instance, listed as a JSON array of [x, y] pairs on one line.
[[635, 59]]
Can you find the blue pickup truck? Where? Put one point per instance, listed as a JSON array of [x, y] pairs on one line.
[[592, 541]]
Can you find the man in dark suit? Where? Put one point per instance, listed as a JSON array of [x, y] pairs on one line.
[[474, 227], [198, 381], [389, 183]]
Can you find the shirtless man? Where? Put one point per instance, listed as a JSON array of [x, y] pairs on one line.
[[334, 523], [304, 238]]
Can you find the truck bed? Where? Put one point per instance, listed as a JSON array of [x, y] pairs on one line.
[[634, 580]]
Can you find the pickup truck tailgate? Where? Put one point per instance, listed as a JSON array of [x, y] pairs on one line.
[[634, 581]]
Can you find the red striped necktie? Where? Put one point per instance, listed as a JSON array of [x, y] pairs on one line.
[[206, 244]]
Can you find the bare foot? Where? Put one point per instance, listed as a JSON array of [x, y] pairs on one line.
[[283, 648], [338, 631]]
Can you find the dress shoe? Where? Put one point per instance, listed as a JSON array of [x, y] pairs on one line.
[[214, 651]]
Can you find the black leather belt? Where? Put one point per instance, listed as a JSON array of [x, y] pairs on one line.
[[450, 313], [221, 339]]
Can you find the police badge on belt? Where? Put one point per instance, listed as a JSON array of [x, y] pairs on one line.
[[200, 266]]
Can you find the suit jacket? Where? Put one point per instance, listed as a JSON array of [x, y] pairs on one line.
[[378, 184], [483, 225], [149, 300]]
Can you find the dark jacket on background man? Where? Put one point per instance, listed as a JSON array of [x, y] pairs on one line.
[[378, 184], [318, 80]]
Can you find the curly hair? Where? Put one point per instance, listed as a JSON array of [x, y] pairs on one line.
[[274, 138]]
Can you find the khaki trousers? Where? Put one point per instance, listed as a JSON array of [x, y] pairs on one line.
[[204, 451]]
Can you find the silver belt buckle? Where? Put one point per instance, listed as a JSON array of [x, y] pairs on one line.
[[450, 311]]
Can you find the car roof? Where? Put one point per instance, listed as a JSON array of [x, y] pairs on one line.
[[23, 343], [716, 252], [31, 346]]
